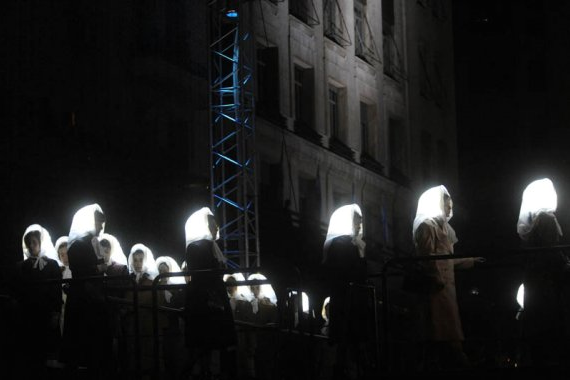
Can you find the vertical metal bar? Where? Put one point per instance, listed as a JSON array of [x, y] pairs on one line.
[[155, 332]]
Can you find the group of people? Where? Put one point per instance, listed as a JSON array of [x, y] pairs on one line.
[[65, 291], [212, 302], [545, 302]]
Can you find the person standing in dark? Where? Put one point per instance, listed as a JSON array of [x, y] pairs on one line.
[[209, 325], [545, 278], [344, 266], [87, 338], [440, 328], [40, 301]]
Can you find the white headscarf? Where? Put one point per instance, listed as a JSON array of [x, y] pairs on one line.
[[149, 265], [324, 310], [265, 291], [47, 250], [243, 292], [117, 254], [172, 267], [342, 223], [197, 228], [66, 272], [539, 196], [83, 224], [431, 206]]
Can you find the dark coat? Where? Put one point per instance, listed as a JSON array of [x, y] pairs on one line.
[[40, 304], [87, 332], [208, 316], [348, 305], [546, 283]]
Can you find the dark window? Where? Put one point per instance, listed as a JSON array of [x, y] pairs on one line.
[[304, 97], [398, 150], [388, 13], [334, 120], [367, 137], [267, 102], [304, 10]]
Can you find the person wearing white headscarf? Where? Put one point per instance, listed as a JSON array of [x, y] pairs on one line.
[[142, 264], [344, 265], [41, 302], [114, 259], [167, 264], [208, 316], [344, 262], [87, 335], [432, 234], [546, 286], [61, 249], [263, 301]]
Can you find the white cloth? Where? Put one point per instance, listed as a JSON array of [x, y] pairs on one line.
[[66, 272], [265, 291], [431, 206], [342, 224], [117, 254], [149, 265], [83, 223], [47, 250], [539, 196], [172, 268], [197, 228], [243, 292]]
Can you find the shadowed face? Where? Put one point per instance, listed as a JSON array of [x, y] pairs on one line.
[[62, 254], [34, 246], [447, 205], [138, 259], [356, 224]]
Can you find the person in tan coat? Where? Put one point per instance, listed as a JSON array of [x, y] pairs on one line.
[[441, 327]]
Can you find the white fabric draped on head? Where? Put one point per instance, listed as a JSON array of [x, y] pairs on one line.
[[83, 223], [172, 267], [197, 228], [431, 206], [265, 290], [61, 240], [539, 196], [243, 292], [47, 250], [117, 254], [148, 266], [342, 224]]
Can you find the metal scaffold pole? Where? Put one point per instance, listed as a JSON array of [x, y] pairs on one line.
[[232, 127]]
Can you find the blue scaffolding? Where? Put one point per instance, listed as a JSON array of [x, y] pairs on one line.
[[232, 127]]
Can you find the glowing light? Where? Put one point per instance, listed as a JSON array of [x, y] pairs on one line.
[[520, 296]]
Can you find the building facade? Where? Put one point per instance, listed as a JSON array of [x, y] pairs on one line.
[[354, 104]]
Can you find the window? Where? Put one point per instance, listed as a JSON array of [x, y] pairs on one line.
[[304, 97], [267, 101], [388, 17], [367, 137], [334, 114], [365, 47], [359, 14], [334, 25], [304, 10], [398, 150]]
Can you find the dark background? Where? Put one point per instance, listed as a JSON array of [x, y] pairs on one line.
[[90, 88]]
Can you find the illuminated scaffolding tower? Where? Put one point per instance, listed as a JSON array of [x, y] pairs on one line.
[[232, 126]]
